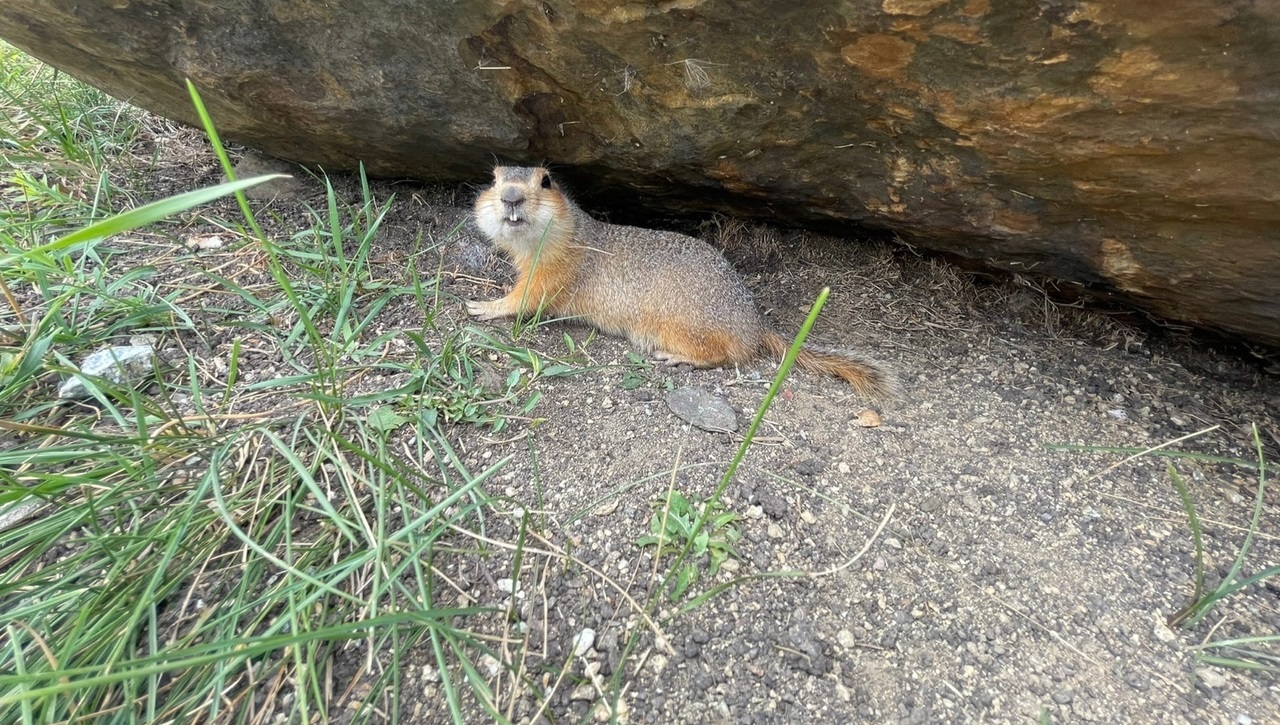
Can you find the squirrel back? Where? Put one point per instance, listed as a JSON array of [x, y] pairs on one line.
[[670, 294]]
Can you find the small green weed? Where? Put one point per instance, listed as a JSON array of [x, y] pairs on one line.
[[674, 527], [1251, 653], [1204, 601], [638, 372]]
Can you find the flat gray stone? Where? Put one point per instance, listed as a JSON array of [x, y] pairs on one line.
[[702, 409], [121, 364]]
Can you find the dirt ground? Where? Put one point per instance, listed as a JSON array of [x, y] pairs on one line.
[[1010, 582]]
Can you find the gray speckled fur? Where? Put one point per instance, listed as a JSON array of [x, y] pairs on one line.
[[658, 275]]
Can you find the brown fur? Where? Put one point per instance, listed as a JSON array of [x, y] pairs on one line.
[[866, 379], [672, 295]]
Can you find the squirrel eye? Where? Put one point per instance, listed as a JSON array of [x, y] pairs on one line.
[[546, 181]]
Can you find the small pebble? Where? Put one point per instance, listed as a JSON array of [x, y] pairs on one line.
[[1211, 677], [846, 639], [584, 692], [582, 643]]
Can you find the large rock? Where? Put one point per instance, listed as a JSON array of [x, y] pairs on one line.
[[1130, 142]]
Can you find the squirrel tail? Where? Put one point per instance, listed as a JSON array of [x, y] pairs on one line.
[[867, 379]]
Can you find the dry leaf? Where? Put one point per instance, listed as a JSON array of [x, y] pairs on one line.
[[868, 418]]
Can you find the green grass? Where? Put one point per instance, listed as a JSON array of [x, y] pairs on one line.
[[210, 544], [61, 143], [1261, 652]]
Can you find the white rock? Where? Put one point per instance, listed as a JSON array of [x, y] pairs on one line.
[[490, 664], [601, 712], [583, 693], [119, 364], [583, 642], [657, 663], [205, 241]]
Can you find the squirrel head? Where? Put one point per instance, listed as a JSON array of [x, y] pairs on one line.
[[523, 210]]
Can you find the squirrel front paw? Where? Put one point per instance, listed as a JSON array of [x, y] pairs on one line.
[[482, 310]]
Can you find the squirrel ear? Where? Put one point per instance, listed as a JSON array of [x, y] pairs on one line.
[[546, 180]]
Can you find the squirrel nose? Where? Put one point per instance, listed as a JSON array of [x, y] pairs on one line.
[[512, 196]]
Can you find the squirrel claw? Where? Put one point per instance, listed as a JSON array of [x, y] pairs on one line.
[[671, 359]]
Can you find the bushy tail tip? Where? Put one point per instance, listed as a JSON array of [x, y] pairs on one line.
[[866, 378]]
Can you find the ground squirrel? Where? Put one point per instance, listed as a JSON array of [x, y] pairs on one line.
[[670, 294]]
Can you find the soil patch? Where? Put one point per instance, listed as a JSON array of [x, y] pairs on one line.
[[1009, 580]]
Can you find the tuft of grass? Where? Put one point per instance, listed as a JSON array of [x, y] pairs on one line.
[[200, 581], [1250, 653], [209, 544], [1204, 601], [61, 147], [48, 115]]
